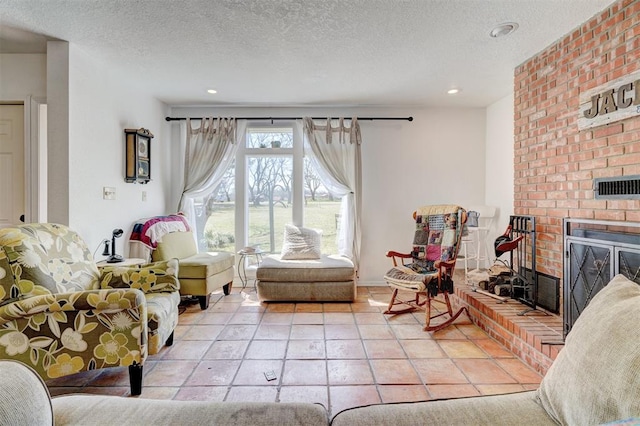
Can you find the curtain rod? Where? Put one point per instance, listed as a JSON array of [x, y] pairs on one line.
[[295, 118]]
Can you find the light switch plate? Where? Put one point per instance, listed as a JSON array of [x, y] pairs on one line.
[[144, 195], [109, 193]]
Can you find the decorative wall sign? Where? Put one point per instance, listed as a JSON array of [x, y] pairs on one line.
[[611, 102]]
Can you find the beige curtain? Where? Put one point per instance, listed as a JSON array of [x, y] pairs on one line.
[[334, 149], [210, 150]]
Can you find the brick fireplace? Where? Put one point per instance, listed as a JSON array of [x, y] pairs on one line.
[[555, 162]]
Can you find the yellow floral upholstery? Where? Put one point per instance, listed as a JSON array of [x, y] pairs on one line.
[[150, 278], [56, 318], [162, 318]]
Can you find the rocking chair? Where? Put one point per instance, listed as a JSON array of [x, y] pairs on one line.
[[428, 270]]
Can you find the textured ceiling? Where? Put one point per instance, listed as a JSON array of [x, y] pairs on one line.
[[303, 52]]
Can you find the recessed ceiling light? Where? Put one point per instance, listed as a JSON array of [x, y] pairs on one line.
[[212, 91], [453, 91], [503, 29]]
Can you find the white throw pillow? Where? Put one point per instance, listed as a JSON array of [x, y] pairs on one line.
[[301, 243]]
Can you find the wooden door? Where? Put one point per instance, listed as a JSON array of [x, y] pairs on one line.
[[12, 179]]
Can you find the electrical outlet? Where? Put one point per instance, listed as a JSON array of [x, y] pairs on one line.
[[144, 195], [109, 193]]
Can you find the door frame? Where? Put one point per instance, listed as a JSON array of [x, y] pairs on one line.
[[33, 157]]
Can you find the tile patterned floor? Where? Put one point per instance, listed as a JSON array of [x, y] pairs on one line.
[[337, 354]]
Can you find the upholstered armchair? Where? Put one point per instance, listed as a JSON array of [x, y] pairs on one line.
[[60, 315]]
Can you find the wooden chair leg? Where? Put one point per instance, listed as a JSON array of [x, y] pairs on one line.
[[393, 299], [448, 322], [448, 302]]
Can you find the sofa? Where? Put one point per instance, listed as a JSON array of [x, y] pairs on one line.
[[61, 315], [594, 380], [200, 274], [25, 400]]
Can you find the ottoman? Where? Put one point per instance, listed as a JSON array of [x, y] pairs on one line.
[[199, 273], [331, 278]]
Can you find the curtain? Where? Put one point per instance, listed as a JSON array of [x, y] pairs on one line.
[[209, 151], [335, 154]]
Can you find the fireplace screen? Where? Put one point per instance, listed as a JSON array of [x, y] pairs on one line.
[[595, 251]]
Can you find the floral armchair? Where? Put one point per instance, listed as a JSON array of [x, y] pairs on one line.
[[60, 315]]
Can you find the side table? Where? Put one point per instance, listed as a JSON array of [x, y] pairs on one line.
[[132, 261], [248, 260]]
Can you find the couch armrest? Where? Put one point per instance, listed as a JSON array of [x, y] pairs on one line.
[[65, 333], [109, 300], [508, 409], [158, 277]]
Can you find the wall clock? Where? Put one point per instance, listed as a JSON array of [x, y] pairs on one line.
[[137, 155]]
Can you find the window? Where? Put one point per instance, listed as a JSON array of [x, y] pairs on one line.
[[215, 215], [268, 173], [274, 186]]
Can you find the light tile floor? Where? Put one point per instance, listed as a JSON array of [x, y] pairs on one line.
[[338, 354]]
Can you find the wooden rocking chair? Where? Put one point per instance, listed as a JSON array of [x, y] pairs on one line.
[[428, 270]]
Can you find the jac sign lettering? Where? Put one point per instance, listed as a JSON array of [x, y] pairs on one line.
[[611, 102]]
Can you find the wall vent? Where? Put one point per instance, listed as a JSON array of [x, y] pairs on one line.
[[621, 188]]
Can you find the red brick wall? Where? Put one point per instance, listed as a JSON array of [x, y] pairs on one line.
[[555, 163]]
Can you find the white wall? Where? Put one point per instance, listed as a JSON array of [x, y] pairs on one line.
[[499, 164], [437, 158], [58, 132], [89, 106], [101, 105], [22, 75], [462, 156]]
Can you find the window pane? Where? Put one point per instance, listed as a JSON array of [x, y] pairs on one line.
[[270, 199], [218, 212], [270, 137], [321, 209]]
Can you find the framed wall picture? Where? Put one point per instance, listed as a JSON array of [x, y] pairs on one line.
[[137, 155]]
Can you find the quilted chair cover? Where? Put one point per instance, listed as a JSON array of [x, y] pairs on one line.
[[428, 269], [55, 318]]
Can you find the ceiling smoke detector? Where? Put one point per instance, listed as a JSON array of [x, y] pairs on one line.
[[503, 29]]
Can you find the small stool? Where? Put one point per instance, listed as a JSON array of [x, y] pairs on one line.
[[478, 236]]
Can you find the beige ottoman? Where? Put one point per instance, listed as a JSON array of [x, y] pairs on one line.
[[328, 279], [199, 273]]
